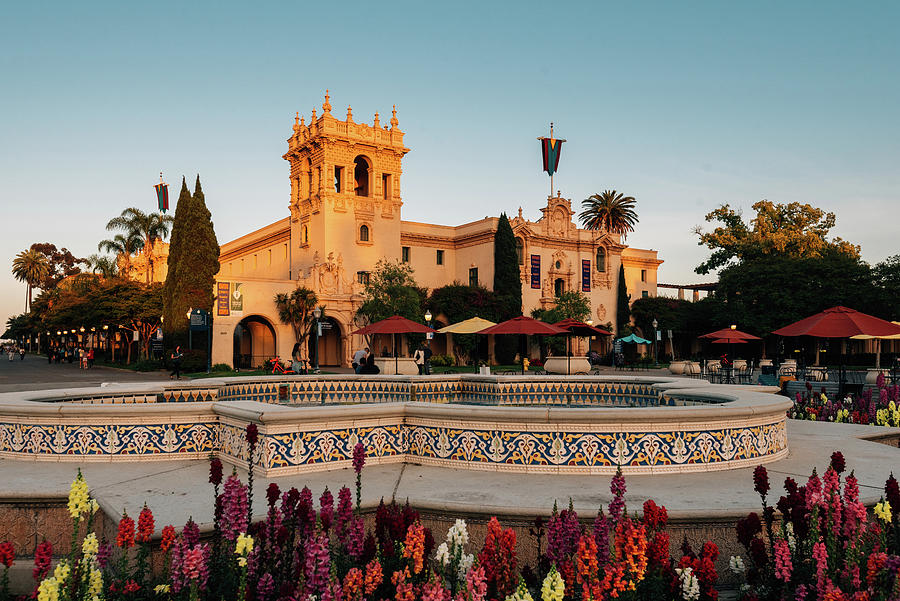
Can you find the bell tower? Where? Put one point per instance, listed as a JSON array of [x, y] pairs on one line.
[[345, 189]]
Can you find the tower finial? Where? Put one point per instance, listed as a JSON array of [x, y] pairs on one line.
[[377, 122], [313, 118], [394, 121], [349, 114], [326, 106], [297, 122]]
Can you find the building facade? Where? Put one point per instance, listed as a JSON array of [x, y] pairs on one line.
[[345, 216]]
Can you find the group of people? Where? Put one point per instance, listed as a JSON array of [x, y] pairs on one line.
[[12, 350], [85, 357], [364, 362]]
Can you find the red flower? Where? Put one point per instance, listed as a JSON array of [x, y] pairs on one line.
[[837, 462], [655, 516], [252, 434], [215, 471], [168, 538], [131, 587], [145, 525], [7, 554], [43, 555], [892, 493], [761, 480], [273, 493], [125, 536]]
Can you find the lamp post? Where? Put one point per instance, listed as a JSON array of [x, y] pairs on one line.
[[317, 314], [655, 343]]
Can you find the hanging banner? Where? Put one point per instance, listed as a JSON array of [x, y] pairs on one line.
[[237, 298], [550, 151], [223, 299], [536, 271], [162, 196], [585, 275]]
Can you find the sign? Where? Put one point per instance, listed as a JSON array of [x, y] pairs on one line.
[[159, 334], [199, 320], [585, 275], [617, 346], [658, 335], [136, 336], [429, 335], [536, 271], [223, 299], [237, 298]]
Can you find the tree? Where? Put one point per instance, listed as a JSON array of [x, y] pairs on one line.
[[571, 304], [30, 267], [193, 260], [609, 211], [886, 277], [391, 291], [507, 286], [792, 230], [623, 306], [150, 227], [296, 309], [61, 263], [104, 266], [458, 302], [123, 246]]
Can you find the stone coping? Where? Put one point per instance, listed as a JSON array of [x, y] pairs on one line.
[[724, 427]]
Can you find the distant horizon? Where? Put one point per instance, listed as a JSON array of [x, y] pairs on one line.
[[684, 108]]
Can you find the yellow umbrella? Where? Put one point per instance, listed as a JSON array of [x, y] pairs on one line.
[[879, 339], [472, 325]]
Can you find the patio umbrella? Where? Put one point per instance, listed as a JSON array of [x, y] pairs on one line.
[[394, 325], [633, 339], [577, 328], [473, 325], [878, 340], [729, 334], [524, 326], [728, 341], [839, 322]]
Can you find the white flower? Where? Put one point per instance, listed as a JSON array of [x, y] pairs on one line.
[[690, 586], [791, 539], [736, 564], [458, 535], [465, 562], [442, 554]]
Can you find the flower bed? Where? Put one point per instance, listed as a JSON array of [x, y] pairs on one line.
[[873, 407]]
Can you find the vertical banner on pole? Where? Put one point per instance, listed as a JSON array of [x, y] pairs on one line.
[[223, 299], [536, 271], [585, 275]]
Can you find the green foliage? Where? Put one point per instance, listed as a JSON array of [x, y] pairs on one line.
[[458, 302], [30, 267], [391, 291], [193, 260], [442, 361], [609, 211], [61, 264], [146, 227], [507, 286], [146, 365], [17, 327], [296, 309], [219, 367], [886, 278], [623, 308], [569, 305]]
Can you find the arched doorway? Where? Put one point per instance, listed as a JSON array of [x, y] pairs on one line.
[[559, 286], [330, 343], [361, 171], [254, 342]]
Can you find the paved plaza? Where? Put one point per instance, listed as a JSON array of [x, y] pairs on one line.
[[34, 373]]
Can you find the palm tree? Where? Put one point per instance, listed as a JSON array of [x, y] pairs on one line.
[[610, 211], [150, 227], [296, 309], [123, 246], [104, 266], [30, 267]]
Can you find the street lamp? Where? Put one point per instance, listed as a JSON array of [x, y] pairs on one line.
[[317, 314], [655, 343], [428, 315]]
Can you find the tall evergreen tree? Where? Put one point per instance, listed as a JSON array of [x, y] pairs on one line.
[[193, 260], [623, 306], [507, 285]]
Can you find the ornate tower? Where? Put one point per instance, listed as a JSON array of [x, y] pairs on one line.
[[345, 190]]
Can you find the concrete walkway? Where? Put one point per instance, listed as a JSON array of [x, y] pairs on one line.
[[34, 373]]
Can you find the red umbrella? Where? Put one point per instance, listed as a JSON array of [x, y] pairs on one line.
[[839, 322], [577, 328], [394, 325], [525, 326], [729, 335], [729, 341]]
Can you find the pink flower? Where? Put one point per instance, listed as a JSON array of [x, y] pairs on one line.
[[359, 457], [234, 508], [783, 563], [476, 584]]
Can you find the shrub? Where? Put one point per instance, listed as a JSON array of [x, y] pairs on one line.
[[221, 367], [442, 361], [146, 365]]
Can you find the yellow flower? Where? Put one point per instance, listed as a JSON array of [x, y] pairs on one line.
[[95, 583], [90, 545], [244, 545], [553, 587], [161, 589], [242, 561], [883, 511], [61, 572], [94, 506], [48, 590], [79, 499]]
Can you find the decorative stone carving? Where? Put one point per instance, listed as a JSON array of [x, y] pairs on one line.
[[328, 277], [601, 312]]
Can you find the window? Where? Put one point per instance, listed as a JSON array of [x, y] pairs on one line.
[[643, 275], [386, 189], [473, 276], [520, 251], [644, 294], [559, 286], [362, 277], [361, 175], [304, 236], [270, 256], [439, 257], [601, 259], [338, 179], [364, 233], [405, 254]]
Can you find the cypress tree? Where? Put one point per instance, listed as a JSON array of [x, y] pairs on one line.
[[507, 285], [623, 307], [193, 260]]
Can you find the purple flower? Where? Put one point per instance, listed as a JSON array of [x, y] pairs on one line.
[[359, 457], [191, 532], [617, 488], [103, 553], [272, 494], [234, 508], [265, 587], [344, 512], [356, 531], [601, 537], [252, 434], [316, 565], [326, 509]]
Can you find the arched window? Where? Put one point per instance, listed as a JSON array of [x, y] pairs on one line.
[[601, 259], [559, 286], [304, 237], [364, 233], [361, 175], [520, 251]]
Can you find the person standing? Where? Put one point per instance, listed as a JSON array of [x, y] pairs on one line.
[[90, 358], [177, 355], [419, 358], [21, 353], [11, 352], [427, 352], [359, 358]]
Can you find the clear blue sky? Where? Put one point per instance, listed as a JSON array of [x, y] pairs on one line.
[[683, 105]]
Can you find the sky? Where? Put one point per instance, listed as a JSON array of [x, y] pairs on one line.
[[684, 106]]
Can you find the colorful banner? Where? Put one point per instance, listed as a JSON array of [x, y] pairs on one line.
[[162, 196], [550, 149], [237, 298], [223, 299], [536, 271], [585, 275]]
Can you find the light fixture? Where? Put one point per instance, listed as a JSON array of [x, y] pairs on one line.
[[191, 310], [106, 327], [655, 323], [317, 312], [590, 322], [58, 333], [93, 329], [82, 329], [428, 315], [733, 326]]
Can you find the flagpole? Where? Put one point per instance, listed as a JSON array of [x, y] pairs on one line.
[[551, 174]]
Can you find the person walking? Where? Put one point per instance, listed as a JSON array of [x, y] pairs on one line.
[[90, 358], [21, 353], [359, 358], [177, 355], [10, 351], [419, 358], [81, 360]]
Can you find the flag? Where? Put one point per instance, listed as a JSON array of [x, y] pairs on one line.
[[550, 149], [162, 195]]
